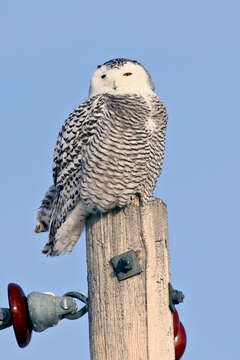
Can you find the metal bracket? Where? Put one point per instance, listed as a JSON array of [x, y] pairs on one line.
[[126, 265], [175, 297], [82, 311], [5, 318]]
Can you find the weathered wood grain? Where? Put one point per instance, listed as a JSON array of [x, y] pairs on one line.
[[130, 319]]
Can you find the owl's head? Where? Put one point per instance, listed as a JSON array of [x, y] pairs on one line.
[[119, 77]]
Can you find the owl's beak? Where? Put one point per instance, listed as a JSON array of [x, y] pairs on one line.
[[114, 85]]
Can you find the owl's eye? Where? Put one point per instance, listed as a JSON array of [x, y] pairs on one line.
[[103, 76], [127, 74]]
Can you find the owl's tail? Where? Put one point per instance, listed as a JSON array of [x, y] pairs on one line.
[[68, 234]]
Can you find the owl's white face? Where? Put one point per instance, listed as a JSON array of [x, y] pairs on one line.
[[127, 78]]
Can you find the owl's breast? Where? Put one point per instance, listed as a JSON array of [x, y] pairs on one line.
[[114, 164]]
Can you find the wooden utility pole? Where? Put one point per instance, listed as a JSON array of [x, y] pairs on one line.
[[130, 319]]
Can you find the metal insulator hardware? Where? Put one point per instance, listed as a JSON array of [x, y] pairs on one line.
[[5, 318], [180, 337], [175, 297], [38, 311], [47, 310], [82, 311]]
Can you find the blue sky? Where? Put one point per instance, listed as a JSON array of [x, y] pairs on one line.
[[49, 50]]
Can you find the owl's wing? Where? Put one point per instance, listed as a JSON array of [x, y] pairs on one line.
[[75, 134], [73, 139], [158, 118]]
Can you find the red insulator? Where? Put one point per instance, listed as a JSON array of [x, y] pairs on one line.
[[180, 342], [176, 323], [20, 316]]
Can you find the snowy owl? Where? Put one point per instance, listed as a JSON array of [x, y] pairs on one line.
[[109, 150]]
